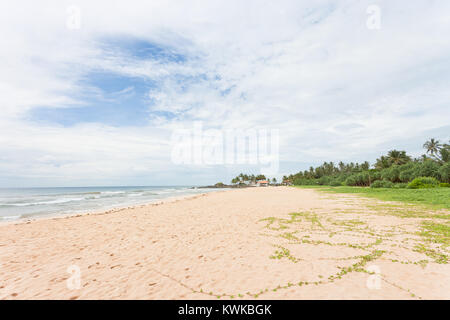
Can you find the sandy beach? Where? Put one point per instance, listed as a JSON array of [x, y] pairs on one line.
[[255, 243]]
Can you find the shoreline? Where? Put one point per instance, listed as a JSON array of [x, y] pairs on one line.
[[52, 216]]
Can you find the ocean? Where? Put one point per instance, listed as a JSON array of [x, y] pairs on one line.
[[34, 202]]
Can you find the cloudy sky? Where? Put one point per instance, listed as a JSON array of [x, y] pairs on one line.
[[95, 100]]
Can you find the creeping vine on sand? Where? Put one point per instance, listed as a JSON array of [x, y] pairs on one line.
[[428, 236]]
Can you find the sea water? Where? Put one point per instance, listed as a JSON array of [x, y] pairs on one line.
[[33, 202]]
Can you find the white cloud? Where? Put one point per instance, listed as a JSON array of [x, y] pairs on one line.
[[337, 90]]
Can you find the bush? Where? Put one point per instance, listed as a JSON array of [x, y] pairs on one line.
[[342, 177], [444, 172], [377, 184], [444, 185], [408, 172], [382, 184], [423, 182], [428, 169], [400, 185], [391, 174], [350, 181], [335, 183], [374, 175], [358, 179], [407, 175], [324, 181]]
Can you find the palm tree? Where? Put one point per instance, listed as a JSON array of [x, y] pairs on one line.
[[382, 163], [351, 166], [365, 165], [432, 146], [444, 154], [260, 177], [341, 166], [398, 157], [291, 178]]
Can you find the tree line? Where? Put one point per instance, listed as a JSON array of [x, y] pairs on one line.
[[246, 178], [395, 169]]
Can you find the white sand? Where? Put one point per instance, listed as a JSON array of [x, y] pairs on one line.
[[216, 245]]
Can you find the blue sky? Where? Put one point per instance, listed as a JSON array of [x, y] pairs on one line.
[[112, 98], [97, 105], [117, 101]]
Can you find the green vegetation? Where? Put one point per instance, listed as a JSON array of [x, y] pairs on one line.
[[382, 184], [219, 185], [394, 170], [429, 244], [436, 233], [243, 179], [434, 197], [423, 182]]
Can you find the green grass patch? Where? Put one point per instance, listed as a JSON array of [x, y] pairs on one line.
[[438, 198], [436, 232]]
